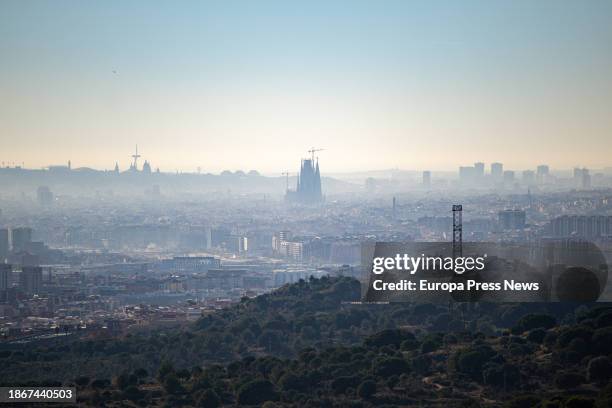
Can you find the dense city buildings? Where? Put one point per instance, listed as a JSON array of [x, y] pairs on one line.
[[542, 173], [582, 178], [133, 258], [427, 179], [21, 237], [4, 244], [44, 195], [30, 280], [5, 277], [583, 226], [97, 267], [511, 219]]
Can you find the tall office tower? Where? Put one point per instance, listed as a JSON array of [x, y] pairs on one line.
[[427, 179], [292, 249], [5, 276], [20, 238], [586, 178], [30, 280], [308, 190], [467, 174], [479, 169], [44, 195], [4, 244], [278, 238], [508, 176], [542, 173], [497, 170], [582, 178], [529, 177], [577, 176]]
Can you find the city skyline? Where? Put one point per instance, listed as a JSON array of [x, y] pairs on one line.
[[127, 166], [207, 202], [380, 86]]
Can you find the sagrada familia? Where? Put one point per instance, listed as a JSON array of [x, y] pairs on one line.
[[308, 190]]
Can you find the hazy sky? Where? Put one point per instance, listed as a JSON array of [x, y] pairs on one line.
[[254, 84]]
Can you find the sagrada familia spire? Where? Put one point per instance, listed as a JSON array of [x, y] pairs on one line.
[[308, 190]]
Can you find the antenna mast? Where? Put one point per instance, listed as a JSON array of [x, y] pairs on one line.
[[286, 174], [135, 156]]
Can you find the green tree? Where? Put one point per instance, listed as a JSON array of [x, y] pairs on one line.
[[209, 399], [534, 321], [133, 393], [577, 401], [257, 392], [568, 379], [599, 369], [523, 401], [172, 385], [82, 381], [388, 367], [471, 361], [290, 381], [366, 389], [165, 368]]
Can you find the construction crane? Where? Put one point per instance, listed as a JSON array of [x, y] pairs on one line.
[[286, 174], [312, 152], [457, 231]]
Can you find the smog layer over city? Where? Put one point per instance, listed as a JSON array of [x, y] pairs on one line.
[[306, 204]]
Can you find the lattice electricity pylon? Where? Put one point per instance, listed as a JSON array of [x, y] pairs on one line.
[[457, 231]]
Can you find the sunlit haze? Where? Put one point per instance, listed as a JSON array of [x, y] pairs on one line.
[[254, 85]]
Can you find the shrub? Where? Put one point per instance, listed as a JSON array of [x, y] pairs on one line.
[[82, 381], [209, 399], [471, 361], [429, 345], [536, 335], [388, 337], [408, 345], [523, 401], [141, 373], [534, 321], [421, 364], [290, 381], [499, 375], [122, 381], [602, 340], [391, 366], [579, 332], [133, 393], [341, 384], [366, 389], [579, 402], [604, 319], [568, 379], [172, 385], [256, 392], [165, 368], [599, 369], [100, 383]]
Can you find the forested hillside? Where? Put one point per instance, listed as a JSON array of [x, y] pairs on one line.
[[306, 344]]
